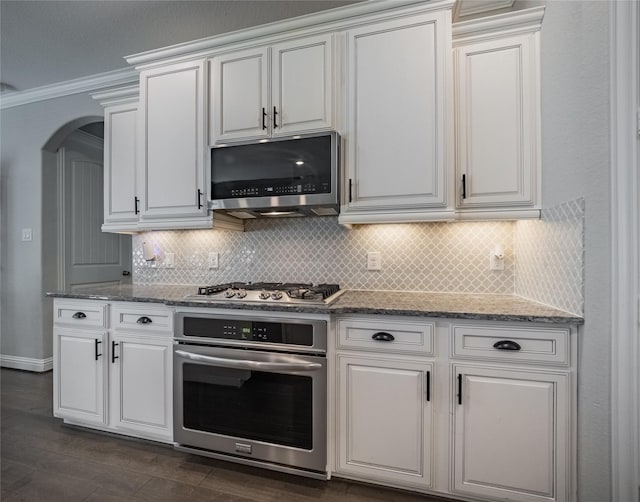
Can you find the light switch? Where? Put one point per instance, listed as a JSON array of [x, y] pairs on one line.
[[169, 260], [27, 234], [213, 260], [374, 260]]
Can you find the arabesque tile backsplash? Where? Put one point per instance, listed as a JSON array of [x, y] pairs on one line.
[[425, 257], [437, 257]]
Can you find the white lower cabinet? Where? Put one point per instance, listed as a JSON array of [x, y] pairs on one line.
[[114, 377], [384, 401], [79, 375], [140, 385], [475, 410], [385, 419], [511, 433]]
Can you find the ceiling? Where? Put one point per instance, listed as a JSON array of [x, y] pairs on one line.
[[44, 42]]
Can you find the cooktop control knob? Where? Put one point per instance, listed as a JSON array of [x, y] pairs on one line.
[[241, 293], [276, 295], [264, 295], [229, 293]]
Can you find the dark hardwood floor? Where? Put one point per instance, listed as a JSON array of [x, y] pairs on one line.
[[44, 460]]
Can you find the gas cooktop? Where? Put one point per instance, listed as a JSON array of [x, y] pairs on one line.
[[269, 292]]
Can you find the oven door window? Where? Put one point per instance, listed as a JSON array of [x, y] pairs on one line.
[[270, 407]]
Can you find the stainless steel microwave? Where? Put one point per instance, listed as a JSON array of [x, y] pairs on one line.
[[288, 176]]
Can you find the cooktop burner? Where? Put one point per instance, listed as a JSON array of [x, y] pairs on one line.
[[283, 292]]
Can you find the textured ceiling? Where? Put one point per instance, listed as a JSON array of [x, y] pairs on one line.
[[48, 41]]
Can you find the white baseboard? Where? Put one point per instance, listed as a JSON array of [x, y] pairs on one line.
[[26, 363]]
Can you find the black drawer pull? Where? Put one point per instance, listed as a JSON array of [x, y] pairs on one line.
[[506, 345], [144, 320], [79, 315], [98, 342], [459, 388], [113, 351], [381, 336]]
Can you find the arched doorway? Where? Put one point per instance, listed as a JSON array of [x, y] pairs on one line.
[[75, 251]]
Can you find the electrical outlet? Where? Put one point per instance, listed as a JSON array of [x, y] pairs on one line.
[[496, 258], [374, 260], [213, 260], [169, 260]]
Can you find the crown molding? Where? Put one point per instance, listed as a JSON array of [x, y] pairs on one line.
[[332, 19], [510, 23], [91, 83], [117, 96]]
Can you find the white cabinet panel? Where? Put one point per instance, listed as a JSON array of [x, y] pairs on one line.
[[121, 203], [239, 95], [385, 418], [302, 90], [172, 162], [511, 433], [273, 90], [498, 115], [141, 379], [79, 375], [397, 77]]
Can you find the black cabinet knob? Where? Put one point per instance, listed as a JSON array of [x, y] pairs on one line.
[[79, 315], [144, 320]]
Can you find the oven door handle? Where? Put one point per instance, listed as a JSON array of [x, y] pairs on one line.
[[243, 364]]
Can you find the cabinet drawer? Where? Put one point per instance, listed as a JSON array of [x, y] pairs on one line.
[[80, 314], [539, 345], [142, 318], [372, 334]]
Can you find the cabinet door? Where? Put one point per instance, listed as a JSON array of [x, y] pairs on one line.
[[79, 375], [497, 122], [239, 89], [397, 80], [385, 419], [121, 203], [511, 434], [302, 90], [172, 165], [141, 385]]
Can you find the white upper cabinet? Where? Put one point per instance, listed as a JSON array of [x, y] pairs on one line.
[[498, 115], [121, 199], [172, 170], [239, 94], [270, 91], [397, 103], [302, 89]]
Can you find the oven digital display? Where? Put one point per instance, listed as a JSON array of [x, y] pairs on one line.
[[249, 330]]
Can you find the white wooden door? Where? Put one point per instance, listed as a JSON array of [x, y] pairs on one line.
[[172, 132], [302, 90], [239, 106], [141, 384], [385, 419], [396, 114], [511, 437], [79, 374], [121, 200], [497, 122], [88, 256]]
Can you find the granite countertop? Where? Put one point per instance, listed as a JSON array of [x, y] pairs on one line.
[[449, 305]]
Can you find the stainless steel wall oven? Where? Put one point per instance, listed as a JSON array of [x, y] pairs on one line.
[[252, 390]]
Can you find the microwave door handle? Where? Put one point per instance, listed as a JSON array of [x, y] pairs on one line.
[[243, 364]]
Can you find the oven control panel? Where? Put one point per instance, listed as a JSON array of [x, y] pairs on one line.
[[249, 330]]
